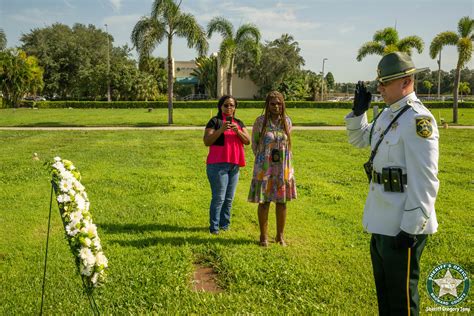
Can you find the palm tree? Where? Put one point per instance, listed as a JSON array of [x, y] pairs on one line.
[[464, 88], [166, 21], [206, 72], [3, 40], [387, 41], [463, 41], [246, 38], [428, 85]]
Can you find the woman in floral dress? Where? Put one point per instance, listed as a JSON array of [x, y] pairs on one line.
[[273, 175]]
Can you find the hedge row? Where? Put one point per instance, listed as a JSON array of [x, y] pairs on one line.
[[213, 103]]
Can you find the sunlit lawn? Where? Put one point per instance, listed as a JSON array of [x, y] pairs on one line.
[[150, 199], [196, 117]]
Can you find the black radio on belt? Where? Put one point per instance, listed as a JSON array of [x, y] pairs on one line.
[[369, 168], [392, 179]]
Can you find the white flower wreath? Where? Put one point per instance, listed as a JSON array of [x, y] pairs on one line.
[[80, 231]]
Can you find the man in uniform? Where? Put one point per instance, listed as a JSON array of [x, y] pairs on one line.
[[399, 210]]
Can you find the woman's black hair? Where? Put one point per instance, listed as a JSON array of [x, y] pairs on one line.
[[221, 102]]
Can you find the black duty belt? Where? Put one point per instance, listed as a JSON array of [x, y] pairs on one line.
[[377, 178]]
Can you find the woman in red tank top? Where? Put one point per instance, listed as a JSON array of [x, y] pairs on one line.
[[226, 136]]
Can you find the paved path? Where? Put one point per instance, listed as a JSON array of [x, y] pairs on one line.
[[171, 128]]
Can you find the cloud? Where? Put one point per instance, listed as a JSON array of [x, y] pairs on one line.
[[272, 20], [37, 16], [69, 4], [116, 4], [344, 28], [121, 26]]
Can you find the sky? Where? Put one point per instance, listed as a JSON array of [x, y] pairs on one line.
[[332, 29]]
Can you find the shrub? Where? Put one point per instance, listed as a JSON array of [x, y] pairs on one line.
[[213, 103]]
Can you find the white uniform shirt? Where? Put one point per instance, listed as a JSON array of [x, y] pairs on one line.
[[413, 210]]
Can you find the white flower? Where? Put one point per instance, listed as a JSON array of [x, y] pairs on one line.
[[75, 216], [87, 241], [91, 229], [59, 166], [94, 278], [80, 202], [71, 229], [101, 259], [57, 158], [63, 198], [67, 175], [90, 260], [85, 252], [78, 186], [86, 270], [97, 244], [65, 185]]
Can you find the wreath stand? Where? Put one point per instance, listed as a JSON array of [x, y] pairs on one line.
[[87, 290]]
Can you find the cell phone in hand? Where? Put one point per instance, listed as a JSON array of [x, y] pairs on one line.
[[229, 119]]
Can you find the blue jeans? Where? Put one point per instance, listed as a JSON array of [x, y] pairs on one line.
[[223, 178]]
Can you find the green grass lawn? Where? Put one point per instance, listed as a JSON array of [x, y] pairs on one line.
[[150, 197], [197, 117]]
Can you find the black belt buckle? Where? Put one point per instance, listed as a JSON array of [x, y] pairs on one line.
[[368, 167]]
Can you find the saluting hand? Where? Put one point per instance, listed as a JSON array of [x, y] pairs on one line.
[[362, 99]]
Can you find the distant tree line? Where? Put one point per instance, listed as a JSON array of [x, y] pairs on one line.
[[446, 83], [75, 61]]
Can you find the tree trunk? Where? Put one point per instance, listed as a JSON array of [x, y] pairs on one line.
[[455, 94], [170, 81], [439, 75], [229, 76]]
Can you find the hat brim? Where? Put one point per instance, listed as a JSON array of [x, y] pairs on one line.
[[401, 74]]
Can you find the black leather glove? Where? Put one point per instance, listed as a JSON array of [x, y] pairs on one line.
[[362, 99], [405, 240]]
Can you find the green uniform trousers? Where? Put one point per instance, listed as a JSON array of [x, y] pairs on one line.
[[396, 274]]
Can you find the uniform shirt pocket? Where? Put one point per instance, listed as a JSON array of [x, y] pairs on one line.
[[395, 151]]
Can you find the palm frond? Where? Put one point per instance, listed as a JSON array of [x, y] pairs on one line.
[[248, 46], [465, 51], [248, 31], [408, 43], [370, 48], [465, 26], [162, 8], [186, 26], [147, 34], [220, 25], [3, 39], [392, 48], [227, 51], [440, 40], [388, 36]]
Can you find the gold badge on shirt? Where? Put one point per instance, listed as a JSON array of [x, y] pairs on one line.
[[424, 128]]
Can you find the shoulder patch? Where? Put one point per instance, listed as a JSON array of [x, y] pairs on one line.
[[424, 127]]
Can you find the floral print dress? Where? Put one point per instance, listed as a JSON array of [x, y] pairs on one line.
[[271, 181]]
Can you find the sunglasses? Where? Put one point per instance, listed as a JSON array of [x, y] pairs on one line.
[[386, 83], [228, 106]]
